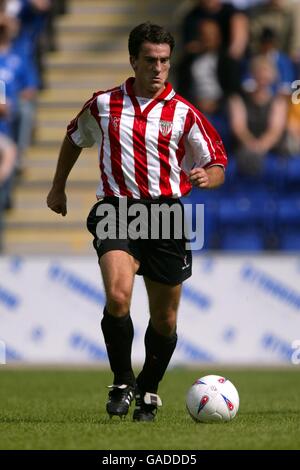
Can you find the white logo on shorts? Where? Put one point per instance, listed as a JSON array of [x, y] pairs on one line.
[[186, 265]]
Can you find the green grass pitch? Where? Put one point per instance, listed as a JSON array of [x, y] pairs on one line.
[[65, 409]]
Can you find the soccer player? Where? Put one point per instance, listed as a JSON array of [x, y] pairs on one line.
[[153, 146]]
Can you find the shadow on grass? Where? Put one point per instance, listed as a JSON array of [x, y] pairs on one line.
[[271, 412], [94, 420]]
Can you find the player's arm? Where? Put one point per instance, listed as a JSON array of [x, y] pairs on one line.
[[209, 178], [69, 153], [207, 150], [80, 134]]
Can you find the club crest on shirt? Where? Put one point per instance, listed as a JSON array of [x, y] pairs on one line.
[[115, 121], [165, 127]]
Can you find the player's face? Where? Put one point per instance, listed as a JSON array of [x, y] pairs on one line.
[[151, 68]]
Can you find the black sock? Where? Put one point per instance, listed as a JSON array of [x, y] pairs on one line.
[[118, 336], [159, 350]]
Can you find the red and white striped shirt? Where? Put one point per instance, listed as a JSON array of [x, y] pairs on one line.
[[146, 147]]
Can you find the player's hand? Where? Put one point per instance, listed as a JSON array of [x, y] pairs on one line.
[[199, 178], [57, 201]]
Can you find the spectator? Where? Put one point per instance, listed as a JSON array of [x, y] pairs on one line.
[[257, 119], [33, 16], [21, 87], [268, 46], [7, 163], [201, 77], [232, 22], [283, 17]]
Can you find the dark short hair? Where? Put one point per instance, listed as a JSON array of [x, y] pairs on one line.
[[267, 34], [148, 32]]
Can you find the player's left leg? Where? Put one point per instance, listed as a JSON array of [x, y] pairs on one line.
[[160, 343]]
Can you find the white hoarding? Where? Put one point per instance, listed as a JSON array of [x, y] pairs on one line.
[[234, 309]]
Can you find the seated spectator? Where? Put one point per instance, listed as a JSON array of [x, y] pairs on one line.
[[7, 165], [268, 47], [198, 78], [257, 119], [16, 118], [283, 17], [201, 77], [32, 16], [232, 22]]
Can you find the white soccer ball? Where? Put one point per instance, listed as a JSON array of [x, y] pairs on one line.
[[212, 398]]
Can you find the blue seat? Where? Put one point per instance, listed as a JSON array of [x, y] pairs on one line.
[[242, 240], [243, 210], [290, 240], [292, 177], [231, 179], [274, 171], [288, 220], [271, 176], [289, 211]]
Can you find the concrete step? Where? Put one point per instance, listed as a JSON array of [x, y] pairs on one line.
[[38, 154], [97, 19], [74, 106], [52, 122], [30, 208], [68, 94], [85, 164], [73, 241], [94, 79], [118, 23], [87, 59], [95, 41], [114, 35], [102, 6], [44, 134], [44, 165], [88, 85], [32, 197], [80, 174], [51, 141], [79, 28], [42, 217], [146, 6]]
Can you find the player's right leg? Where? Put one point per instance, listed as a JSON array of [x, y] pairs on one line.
[[118, 269]]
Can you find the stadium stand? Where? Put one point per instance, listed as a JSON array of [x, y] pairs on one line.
[[289, 223], [91, 54], [258, 207], [250, 213]]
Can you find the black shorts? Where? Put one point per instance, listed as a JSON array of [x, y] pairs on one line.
[[164, 260]]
